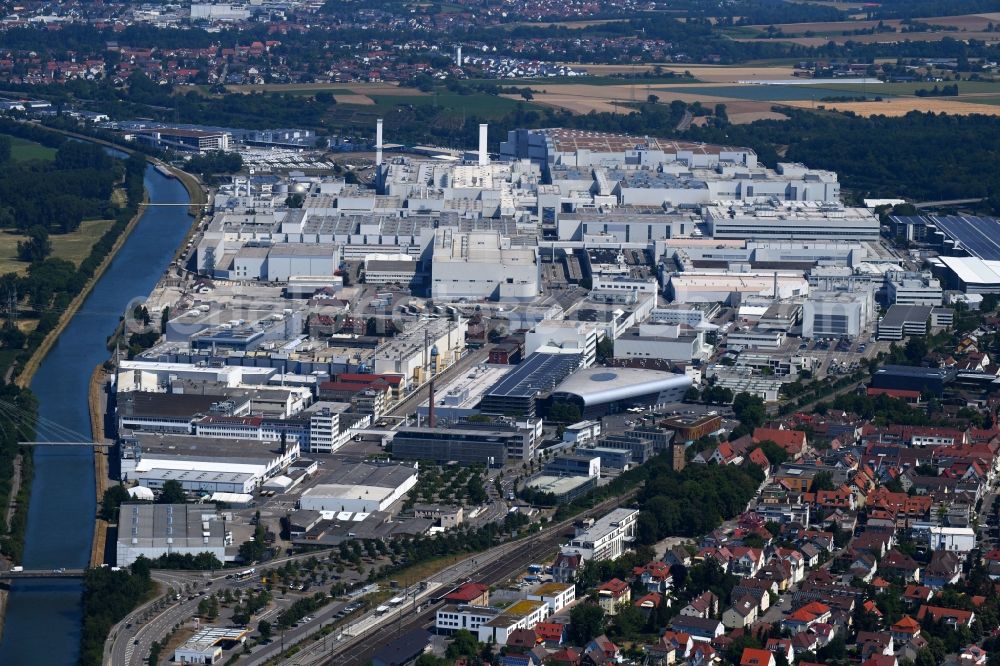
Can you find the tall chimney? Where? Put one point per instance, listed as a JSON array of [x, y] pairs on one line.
[[458, 55], [378, 142], [430, 404], [484, 158], [775, 285]]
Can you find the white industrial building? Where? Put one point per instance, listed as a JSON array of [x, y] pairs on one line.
[[204, 465], [755, 338], [206, 646], [360, 488], [482, 264], [575, 336], [153, 530], [726, 287], [837, 314], [804, 220], [912, 288], [662, 341], [607, 539]]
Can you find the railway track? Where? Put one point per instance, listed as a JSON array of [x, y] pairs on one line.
[[360, 649]]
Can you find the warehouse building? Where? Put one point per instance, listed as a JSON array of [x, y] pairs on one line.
[[152, 530], [913, 378], [716, 286], [206, 465], [571, 336], [661, 341], [970, 274], [360, 488]]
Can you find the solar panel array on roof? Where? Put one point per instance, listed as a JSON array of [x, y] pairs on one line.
[[539, 372], [966, 234]]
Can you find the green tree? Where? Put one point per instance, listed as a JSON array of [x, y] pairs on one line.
[[916, 349], [36, 247], [264, 627], [113, 498], [586, 621], [822, 481], [172, 493], [775, 454], [749, 409], [463, 644]]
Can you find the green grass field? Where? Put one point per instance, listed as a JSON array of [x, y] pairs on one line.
[[22, 150], [73, 247]]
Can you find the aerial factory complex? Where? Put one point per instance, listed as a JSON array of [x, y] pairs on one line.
[[482, 354]]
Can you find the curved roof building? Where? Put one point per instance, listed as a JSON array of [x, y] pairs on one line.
[[599, 391]]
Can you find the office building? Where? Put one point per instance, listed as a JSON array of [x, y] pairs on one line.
[[912, 288], [465, 446], [903, 320], [607, 539]]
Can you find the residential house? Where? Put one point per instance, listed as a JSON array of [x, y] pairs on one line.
[[905, 630], [679, 641], [757, 657], [916, 595], [704, 654], [704, 605], [874, 642], [603, 646], [806, 617], [782, 646], [746, 561], [951, 617], [649, 602], [792, 441], [741, 614], [899, 565], [699, 628], [613, 595], [945, 568], [655, 577], [565, 566]]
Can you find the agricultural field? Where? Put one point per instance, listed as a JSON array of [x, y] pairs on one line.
[[73, 247], [900, 106], [965, 27]]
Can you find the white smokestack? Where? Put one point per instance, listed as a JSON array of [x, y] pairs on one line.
[[458, 55], [378, 142], [484, 157]]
